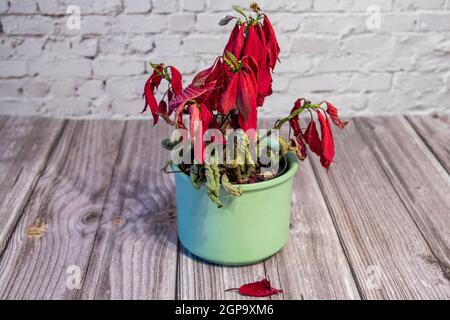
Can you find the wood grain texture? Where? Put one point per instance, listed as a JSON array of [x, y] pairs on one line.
[[135, 252], [198, 279], [313, 264], [387, 251], [25, 144], [68, 198], [90, 194], [420, 181], [435, 132]]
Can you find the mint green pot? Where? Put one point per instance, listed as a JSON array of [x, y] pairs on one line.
[[246, 230]]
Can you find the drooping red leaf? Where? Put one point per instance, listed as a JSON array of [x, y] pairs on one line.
[[200, 79], [170, 95], [248, 115], [333, 112], [327, 155], [151, 102], [273, 48], [195, 122], [200, 119], [176, 81], [179, 116], [162, 107], [300, 147], [229, 97], [192, 92], [196, 131], [203, 76], [264, 75], [246, 96], [151, 84], [207, 116], [162, 111], [264, 83], [236, 41], [257, 289], [253, 47], [294, 122], [311, 137]]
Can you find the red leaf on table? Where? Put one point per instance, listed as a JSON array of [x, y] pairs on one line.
[[333, 112], [257, 289]]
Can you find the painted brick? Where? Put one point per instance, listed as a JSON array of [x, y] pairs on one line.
[[327, 51]]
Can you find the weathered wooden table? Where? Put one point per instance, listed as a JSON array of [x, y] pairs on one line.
[[85, 212]]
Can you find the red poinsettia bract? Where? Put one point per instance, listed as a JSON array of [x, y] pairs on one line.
[[160, 71], [228, 93], [323, 144]]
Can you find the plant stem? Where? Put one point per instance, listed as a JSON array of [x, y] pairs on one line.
[[225, 120]]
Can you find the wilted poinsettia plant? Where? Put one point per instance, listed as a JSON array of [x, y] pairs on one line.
[[226, 96]]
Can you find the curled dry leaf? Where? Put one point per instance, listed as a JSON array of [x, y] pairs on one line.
[[257, 289], [224, 21], [231, 189]]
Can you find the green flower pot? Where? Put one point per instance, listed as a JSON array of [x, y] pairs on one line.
[[246, 230]]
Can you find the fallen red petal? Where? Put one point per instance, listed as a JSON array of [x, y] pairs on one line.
[[257, 289]]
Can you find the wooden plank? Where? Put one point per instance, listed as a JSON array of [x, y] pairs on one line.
[[198, 279], [67, 203], [435, 132], [135, 253], [313, 264], [419, 179], [386, 250], [25, 145]]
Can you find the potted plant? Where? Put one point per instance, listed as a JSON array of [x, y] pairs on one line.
[[234, 182]]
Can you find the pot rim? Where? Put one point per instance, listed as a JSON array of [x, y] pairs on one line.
[[292, 169]]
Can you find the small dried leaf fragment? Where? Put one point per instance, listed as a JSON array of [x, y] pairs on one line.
[[231, 189], [213, 181], [257, 289]]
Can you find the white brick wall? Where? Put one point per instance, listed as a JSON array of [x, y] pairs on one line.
[[328, 52]]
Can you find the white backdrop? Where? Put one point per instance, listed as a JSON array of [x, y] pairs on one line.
[[370, 57]]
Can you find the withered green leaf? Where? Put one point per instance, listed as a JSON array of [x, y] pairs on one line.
[[231, 189], [213, 180]]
